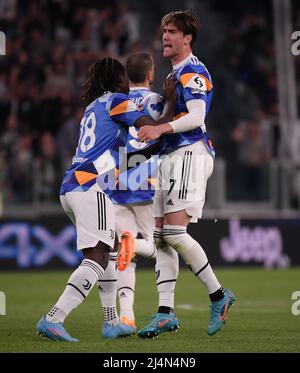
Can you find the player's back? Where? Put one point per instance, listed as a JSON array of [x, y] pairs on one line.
[[101, 137], [138, 183], [138, 94]]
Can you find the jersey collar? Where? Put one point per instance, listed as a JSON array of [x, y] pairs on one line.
[[183, 62], [137, 88]]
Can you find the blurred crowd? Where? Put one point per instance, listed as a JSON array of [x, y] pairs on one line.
[[246, 99], [51, 44]]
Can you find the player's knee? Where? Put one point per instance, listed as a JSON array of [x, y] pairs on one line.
[[159, 241], [99, 254], [159, 222], [175, 237]]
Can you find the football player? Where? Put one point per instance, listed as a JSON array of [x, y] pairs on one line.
[[85, 196], [183, 175], [133, 198]]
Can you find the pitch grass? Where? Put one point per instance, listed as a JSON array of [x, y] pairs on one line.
[[260, 321]]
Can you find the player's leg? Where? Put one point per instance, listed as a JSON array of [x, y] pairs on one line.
[[195, 257], [140, 233], [189, 201], [167, 263], [127, 231], [166, 268], [95, 241], [144, 242], [107, 287], [125, 221], [80, 282], [105, 217], [191, 251], [175, 233], [77, 289]]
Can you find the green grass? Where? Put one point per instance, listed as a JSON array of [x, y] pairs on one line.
[[260, 320]]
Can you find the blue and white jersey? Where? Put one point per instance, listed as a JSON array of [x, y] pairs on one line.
[[136, 184], [137, 94], [193, 83], [103, 135]]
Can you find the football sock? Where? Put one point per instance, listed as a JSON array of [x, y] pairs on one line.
[[110, 315], [56, 315], [163, 309], [78, 287], [160, 243], [217, 295], [145, 247], [107, 287], [193, 255], [166, 269], [126, 287]]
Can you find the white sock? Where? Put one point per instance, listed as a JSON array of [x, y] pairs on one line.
[[56, 315], [145, 247], [107, 287], [160, 243], [193, 255], [166, 269], [126, 288], [78, 287]]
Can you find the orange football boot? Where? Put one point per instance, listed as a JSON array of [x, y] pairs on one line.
[[127, 251], [128, 322]]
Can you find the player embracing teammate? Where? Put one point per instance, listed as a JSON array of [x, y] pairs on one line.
[[183, 173], [86, 196], [187, 158], [133, 197]]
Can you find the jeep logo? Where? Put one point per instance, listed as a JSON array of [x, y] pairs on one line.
[[258, 244]]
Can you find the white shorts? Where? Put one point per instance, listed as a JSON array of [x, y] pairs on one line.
[[182, 179], [135, 218], [92, 213]]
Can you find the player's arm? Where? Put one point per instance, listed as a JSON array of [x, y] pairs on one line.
[[123, 111], [195, 87], [169, 94], [193, 119]]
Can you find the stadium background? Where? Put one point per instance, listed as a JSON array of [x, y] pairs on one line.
[[252, 215]]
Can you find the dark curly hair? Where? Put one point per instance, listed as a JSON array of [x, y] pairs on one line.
[[104, 75]]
